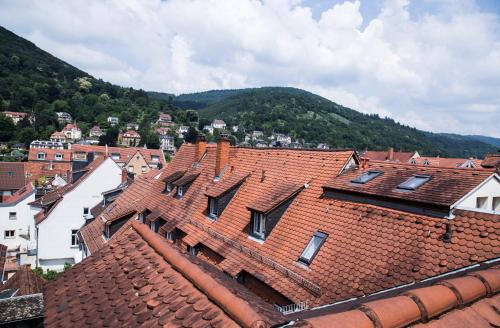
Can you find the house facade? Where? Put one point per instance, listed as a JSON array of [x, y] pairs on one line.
[[17, 225], [59, 137], [218, 124], [95, 132], [113, 120], [72, 132], [65, 211], [130, 138], [17, 116], [167, 143]]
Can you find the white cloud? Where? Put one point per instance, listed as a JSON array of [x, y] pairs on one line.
[[440, 71]]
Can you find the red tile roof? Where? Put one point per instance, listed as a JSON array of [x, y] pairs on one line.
[[446, 186], [50, 154], [491, 160], [227, 183], [398, 156], [138, 279], [20, 194], [12, 175], [57, 195], [468, 301], [125, 153], [446, 162], [131, 134], [368, 249], [25, 281], [273, 194]]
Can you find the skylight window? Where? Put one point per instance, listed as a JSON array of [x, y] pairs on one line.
[[414, 182], [367, 176], [313, 247]]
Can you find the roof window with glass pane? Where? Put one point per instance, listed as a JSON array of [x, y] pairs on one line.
[[367, 176], [414, 182], [313, 247]]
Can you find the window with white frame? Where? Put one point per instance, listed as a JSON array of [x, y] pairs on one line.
[[59, 157], [40, 156], [169, 235], [115, 156], [482, 202], [131, 169], [180, 191], [155, 158], [259, 225], [12, 216], [86, 211], [9, 234], [212, 207], [312, 247], [143, 169], [74, 237], [496, 204]]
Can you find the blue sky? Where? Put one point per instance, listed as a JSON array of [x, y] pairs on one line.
[[431, 64]]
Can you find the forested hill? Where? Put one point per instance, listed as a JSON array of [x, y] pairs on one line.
[[314, 119], [32, 80]]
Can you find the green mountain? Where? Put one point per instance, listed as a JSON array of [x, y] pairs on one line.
[[489, 140], [32, 80], [314, 119]]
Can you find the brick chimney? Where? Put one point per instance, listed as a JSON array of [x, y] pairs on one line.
[[222, 158], [390, 154], [124, 175], [201, 147]]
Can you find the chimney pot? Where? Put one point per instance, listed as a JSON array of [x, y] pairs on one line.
[[222, 159], [391, 154]]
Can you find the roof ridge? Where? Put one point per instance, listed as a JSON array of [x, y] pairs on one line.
[[421, 304], [464, 169], [237, 308]]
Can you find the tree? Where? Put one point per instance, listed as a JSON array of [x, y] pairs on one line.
[[7, 128], [109, 138], [191, 135]]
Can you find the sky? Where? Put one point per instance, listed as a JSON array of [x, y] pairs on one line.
[[431, 64]]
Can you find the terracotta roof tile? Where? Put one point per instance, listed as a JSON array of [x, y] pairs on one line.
[[50, 154], [274, 193], [445, 187], [186, 178], [12, 175], [435, 306], [25, 281], [369, 248], [227, 183], [398, 156], [138, 279], [125, 153]]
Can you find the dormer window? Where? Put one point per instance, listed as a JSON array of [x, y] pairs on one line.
[[155, 158], [426, 162], [259, 225], [170, 179], [59, 157], [115, 156], [414, 182], [180, 191], [184, 183], [168, 187], [40, 156], [413, 161], [366, 177], [221, 193], [312, 247]]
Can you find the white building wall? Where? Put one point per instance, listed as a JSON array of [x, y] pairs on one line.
[[54, 233], [490, 190], [24, 224]]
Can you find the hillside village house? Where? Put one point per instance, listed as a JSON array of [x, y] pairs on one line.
[[65, 210], [95, 132], [17, 225], [113, 120], [124, 157], [305, 228], [64, 117], [46, 144], [167, 143], [18, 116], [59, 137], [164, 120], [72, 132], [218, 124], [182, 130], [130, 138], [132, 126]]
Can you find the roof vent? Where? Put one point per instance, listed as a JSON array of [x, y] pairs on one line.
[[446, 237]]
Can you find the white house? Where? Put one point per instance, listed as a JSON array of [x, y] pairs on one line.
[[72, 132], [209, 128], [483, 198], [218, 124], [17, 225], [113, 120], [167, 143], [66, 211]]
